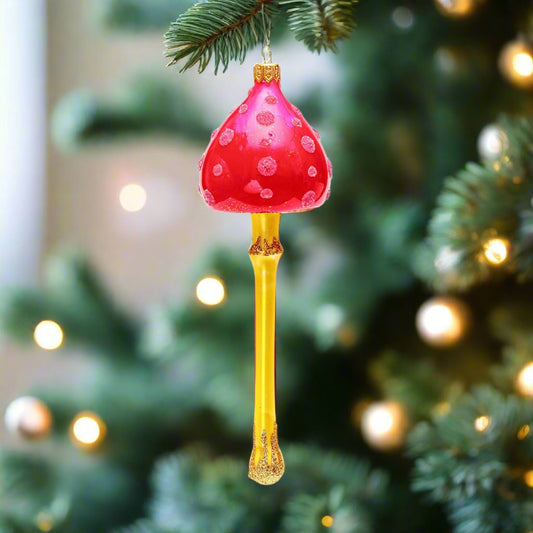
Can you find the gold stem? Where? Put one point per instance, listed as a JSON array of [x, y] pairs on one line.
[[266, 462]]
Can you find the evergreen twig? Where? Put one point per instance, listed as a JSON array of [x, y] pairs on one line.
[[479, 203], [320, 23], [469, 469], [225, 30], [219, 29]]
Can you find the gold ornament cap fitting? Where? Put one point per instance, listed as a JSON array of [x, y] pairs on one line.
[[266, 72]]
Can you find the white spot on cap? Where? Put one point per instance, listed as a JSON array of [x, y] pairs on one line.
[[208, 197], [308, 199], [267, 166], [265, 118], [253, 187], [308, 144], [226, 137]]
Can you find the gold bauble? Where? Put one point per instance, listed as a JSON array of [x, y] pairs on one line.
[[491, 142], [28, 417], [516, 63]]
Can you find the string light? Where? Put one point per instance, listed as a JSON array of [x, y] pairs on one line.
[[210, 291], [528, 478], [28, 417], [88, 429], [442, 321], [384, 425], [496, 251], [48, 335], [524, 380], [481, 423], [456, 8], [327, 520], [516, 63], [132, 197], [523, 432]]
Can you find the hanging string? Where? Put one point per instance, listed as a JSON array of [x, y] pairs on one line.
[[267, 27]]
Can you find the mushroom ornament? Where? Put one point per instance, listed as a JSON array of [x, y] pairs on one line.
[[265, 159]]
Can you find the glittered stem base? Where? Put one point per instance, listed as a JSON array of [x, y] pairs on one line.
[[266, 462]]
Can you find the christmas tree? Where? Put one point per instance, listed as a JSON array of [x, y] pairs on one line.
[[405, 352]]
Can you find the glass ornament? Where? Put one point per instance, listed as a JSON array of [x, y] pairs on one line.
[[28, 417], [265, 159]]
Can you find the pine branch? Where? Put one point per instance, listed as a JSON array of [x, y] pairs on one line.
[[194, 492], [479, 203], [478, 474], [320, 23], [305, 513], [222, 30]]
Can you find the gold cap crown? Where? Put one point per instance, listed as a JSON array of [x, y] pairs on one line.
[[266, 72]]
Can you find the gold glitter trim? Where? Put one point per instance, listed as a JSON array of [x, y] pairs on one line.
[[267, 72], [261, 246], [261, 469]]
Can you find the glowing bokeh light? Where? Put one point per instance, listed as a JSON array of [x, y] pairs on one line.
[[523, 64], [132, 197], [524, 380], [496, 251], [481, 423], [442, 321], [327, 520], [88, 429], [384, 425], [48, 335], [210, 291], [523, 432]]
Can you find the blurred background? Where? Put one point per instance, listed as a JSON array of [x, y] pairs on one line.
[[404, 328]]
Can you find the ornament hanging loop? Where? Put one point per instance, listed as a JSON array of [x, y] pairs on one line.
[[267, 28], [267, 54]]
